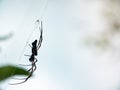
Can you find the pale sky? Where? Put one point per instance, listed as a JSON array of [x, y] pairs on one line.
[[64, 62]]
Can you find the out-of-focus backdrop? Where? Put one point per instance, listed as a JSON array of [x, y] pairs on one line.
[[81, 43]]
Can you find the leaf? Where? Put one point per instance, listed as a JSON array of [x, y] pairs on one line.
[[6, 37], [8, 71]]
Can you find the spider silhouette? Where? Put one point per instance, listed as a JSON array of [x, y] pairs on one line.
[[36, 44]]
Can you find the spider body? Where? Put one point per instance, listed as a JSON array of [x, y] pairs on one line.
[[34, 48], [32, 58]]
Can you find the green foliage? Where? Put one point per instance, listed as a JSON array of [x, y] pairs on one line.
[[6, 37], [102, 42], [8, 71]]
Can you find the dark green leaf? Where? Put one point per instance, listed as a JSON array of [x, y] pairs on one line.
[[8, 71]]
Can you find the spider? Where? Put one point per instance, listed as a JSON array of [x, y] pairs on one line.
[[35, 47]]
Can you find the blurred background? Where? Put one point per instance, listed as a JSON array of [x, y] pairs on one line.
[[80, 49]]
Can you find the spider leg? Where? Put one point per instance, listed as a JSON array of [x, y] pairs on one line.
[[33, 68], [19, 78], [40, 38], [33, 65], [26, 55], [22, 81], [25, 78], [30, 45], [25, 65], [30, 69]]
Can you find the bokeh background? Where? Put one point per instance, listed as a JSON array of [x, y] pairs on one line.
[[80, 49]]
